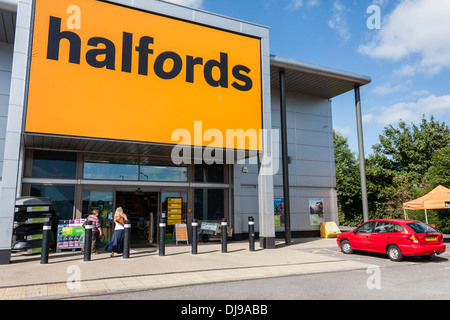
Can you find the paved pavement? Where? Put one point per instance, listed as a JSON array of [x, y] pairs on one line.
[[67, 275]]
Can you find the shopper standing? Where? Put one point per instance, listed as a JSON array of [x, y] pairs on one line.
[[115, 245], [96, 229]]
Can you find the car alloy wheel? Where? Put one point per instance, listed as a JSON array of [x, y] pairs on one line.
[[394, 253], [346, 247]]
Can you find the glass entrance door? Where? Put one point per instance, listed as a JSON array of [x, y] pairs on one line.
[[141, 209]]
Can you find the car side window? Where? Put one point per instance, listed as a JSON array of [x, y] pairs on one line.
[[366, 228], [383, 227], [380, 227], [398, 228]]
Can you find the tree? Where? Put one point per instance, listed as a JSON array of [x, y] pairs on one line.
[[408, 162], [408, 149], [439, 171], [348, 186], [396, 171]]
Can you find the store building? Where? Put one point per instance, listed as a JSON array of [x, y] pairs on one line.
[[100, 114]]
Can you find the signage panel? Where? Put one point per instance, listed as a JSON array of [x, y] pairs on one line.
[[106, 71]]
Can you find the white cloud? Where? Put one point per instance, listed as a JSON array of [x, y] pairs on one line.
[[388, 88], [187, 3], [419, 93], [297, 4], [345, 131], [338, 21], [381, 2], [416, 28], [411, 111], [405, 71]]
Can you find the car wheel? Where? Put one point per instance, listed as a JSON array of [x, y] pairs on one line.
[[394, 253], [346, 247]]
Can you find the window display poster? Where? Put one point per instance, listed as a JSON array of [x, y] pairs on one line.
[[315, 211], [278, 209]]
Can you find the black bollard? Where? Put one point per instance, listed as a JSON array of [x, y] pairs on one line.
[[87, 240], [162, 237], [194, 236], [251, 233], [46, 234], [224, 235], [126, 239]]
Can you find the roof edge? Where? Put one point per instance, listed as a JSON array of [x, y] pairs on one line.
[[287, 63], [9, 5]]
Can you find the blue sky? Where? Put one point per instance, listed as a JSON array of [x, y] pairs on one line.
[[408, 56]]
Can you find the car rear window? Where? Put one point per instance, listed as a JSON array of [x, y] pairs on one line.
[[420, 227]]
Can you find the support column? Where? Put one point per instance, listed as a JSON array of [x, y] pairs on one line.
[[362, 164], [11, 174], [266, 215]]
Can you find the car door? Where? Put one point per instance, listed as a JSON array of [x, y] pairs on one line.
[[361, 239], [385, 233], [381, 236]]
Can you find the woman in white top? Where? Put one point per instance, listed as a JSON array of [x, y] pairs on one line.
[[115, 245]]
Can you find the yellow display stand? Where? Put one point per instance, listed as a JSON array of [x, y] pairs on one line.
[[329, 230]]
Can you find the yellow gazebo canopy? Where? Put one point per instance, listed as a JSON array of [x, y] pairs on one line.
[[439, 198]]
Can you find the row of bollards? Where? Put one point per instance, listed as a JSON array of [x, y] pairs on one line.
[[127, 236]]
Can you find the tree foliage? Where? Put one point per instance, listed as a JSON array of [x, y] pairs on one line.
[[408, 148], [347, 181], [439, 171], [409, 161]]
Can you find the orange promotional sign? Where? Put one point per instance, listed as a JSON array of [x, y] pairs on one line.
[[106, 71]]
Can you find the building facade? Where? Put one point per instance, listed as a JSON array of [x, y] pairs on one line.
[[64, 139]]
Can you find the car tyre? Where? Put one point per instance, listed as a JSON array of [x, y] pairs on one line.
[[346, 247], [394, 253]]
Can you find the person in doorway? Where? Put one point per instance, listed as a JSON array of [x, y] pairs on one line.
[[115, 245], [96, 229]]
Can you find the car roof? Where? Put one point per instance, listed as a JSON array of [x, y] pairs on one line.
[[396, 220]]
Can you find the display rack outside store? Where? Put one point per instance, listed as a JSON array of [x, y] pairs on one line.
[[70, 235], [30, 215]]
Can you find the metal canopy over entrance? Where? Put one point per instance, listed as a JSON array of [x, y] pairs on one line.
[[312, 79]]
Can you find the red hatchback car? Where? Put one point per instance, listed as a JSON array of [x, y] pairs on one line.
[[396, 238]]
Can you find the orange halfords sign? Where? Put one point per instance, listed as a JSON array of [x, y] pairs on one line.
[[105, 71]]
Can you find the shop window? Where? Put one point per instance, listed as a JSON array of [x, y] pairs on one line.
[[209, 173], [209, 204], [160, 170], [111, 167], [103, 201], [52, 164], [62, 199]]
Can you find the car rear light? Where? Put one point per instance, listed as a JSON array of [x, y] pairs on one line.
[[413, 238]]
